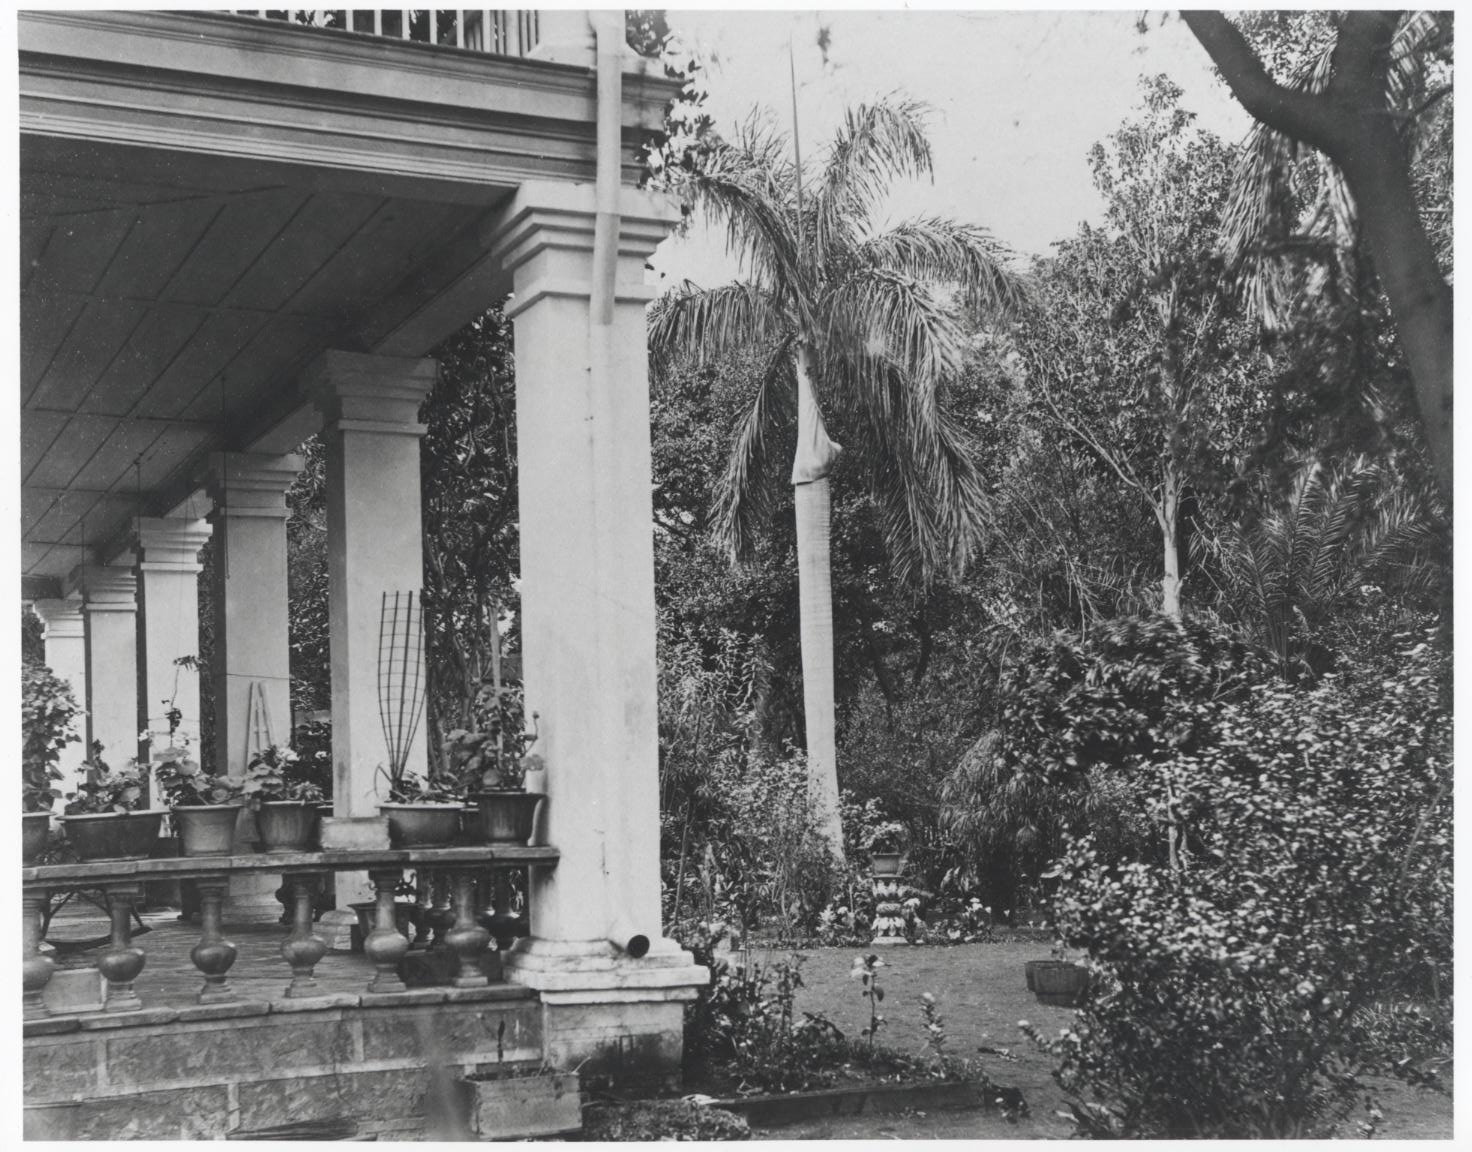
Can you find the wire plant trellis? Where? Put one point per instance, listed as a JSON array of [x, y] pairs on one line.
[[400, 676]]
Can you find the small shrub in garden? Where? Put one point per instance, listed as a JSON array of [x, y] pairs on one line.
[[1313, 879]]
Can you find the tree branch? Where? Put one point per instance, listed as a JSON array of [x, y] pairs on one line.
[[1312, 119]]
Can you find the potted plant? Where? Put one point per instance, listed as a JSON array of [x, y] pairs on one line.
[[493, 763], [204, 807], [284, 801], [886, 845], [422, 813], [47, 712], [103, 819]]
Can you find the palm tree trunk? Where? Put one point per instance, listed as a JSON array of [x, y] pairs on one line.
[[812, 502]]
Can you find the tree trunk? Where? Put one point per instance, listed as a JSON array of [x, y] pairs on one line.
[[811, 499], [1351, 124], [1168, 516]]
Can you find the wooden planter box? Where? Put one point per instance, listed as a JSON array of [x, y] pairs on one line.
[[516, 1106]]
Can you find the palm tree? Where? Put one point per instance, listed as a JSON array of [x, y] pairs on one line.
[[1340, 527], [871, 320]]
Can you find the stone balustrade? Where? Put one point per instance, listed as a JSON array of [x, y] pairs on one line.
[[451, 877]]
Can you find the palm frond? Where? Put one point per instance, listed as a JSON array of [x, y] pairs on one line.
[[878, 317], [747, 187], [744, 496], [708, 323], [930, 497], [965, 257], [876, 144]]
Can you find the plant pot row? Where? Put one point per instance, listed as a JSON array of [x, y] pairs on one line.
[[285, 826]]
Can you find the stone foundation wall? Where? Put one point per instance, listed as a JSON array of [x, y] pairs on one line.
[[630, 1046], [141, 1078]]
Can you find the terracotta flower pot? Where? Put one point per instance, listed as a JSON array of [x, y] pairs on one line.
[[207, 830], [285, 825], [421, 825], [113, 835], [33, 829], [506, 817]]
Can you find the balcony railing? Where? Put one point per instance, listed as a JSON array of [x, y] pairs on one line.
[[456, 885], [498, 32]]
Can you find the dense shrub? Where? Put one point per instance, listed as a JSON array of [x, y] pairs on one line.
[[1313, 881], [1079, 723]]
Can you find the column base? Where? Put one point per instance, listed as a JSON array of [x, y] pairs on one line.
[[618, 1020], [335, 928]]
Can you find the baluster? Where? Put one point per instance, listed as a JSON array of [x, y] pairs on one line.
[[213, 955], [122, 962], [503, 919], [405, 33], [467, 938], [378, 21], [36, 967], [459, 27], [302, 949], [385, 946], [439, 919]]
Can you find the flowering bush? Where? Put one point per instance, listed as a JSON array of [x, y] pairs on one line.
[[1312, 879], [103, 790]]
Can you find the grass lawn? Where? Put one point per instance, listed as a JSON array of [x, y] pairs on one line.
[[981, 993]]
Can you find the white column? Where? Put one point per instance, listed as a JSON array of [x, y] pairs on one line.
[[370, 435], [588, 625], [251, 668], [109, 619], [168, 624], [66, 655], [251, 665]]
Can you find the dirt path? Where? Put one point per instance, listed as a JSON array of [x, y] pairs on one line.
[[981, 994]]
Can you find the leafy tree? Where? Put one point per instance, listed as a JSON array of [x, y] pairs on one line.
[[859, 319], [1361, 102], [1134, 352]]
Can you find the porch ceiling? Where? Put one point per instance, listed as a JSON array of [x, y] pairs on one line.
[[209, 202], [165, 306]]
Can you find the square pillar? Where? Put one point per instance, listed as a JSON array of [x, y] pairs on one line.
[[109, 611], [370, 434], [251, 668], [252, 662], [66, 655], [168, 624], [588, 629]]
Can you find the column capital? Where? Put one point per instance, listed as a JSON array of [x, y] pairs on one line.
[[250, 483], [359, 392], [105, 587], [543, 239], [169, 544], [63, 618]]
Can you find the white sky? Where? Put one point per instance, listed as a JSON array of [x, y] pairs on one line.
[[1017, 99]]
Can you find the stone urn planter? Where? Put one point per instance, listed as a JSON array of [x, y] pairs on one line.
[[113, 835], [1061, 983], [33, 829], [421, 825], [512, 1106], [207, 830], [887, 863], [286, 825], [505, 817]]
